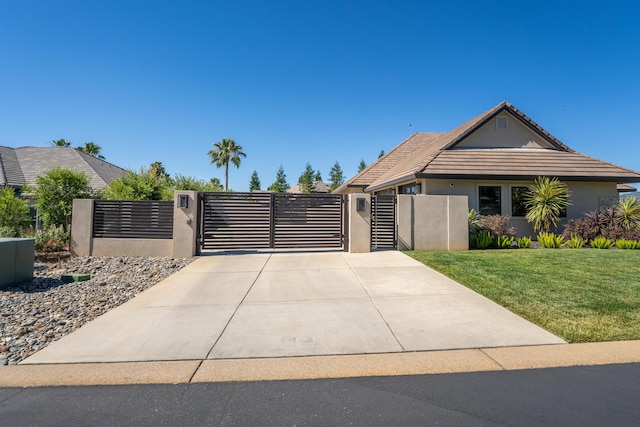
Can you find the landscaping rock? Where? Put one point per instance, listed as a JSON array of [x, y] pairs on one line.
[[43, 310]]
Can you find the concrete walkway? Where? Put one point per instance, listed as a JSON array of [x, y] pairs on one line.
[[283, 304]]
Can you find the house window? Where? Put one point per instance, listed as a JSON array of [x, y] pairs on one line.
[[413, 188], [490, 200], [502, 123], [517, 201]]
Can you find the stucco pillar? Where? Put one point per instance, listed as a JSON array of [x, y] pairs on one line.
[[359, 223], [81, 227], [428, 222], [405, 222], [185, 224], [458, 207]]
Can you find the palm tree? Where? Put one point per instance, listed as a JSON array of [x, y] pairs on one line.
[[61, 143], [224, 152], [91, 149], [546, 199]]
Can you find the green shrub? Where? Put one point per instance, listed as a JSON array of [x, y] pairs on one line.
[[524, 242], [628, 244], [601, 242], [52, 239], [501, 242], [475, 221], [14, 213], [498, 225], [55, 193], [480, 240], [550, 240], [576, 241]]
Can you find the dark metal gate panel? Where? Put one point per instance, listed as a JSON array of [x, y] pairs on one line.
[[129, 219], [383, 222], [236, 220], [307, 221]]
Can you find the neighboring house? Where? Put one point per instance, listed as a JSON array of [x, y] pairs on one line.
[[319, 186], [19, 166], [491, 159]]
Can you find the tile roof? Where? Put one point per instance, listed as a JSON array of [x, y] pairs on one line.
[[378, 168], [23, 165], [438, 155], [10, 171]]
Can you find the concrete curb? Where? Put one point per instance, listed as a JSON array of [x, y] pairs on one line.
[[314, 367]]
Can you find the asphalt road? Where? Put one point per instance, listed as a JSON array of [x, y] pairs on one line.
[[577, 396]]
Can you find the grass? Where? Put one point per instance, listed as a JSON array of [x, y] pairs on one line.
[[581, 296]]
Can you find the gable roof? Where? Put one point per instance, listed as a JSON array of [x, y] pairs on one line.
[[445, 157], [19, 166]]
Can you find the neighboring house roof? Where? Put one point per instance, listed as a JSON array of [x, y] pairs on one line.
[[624, 188], [320, 187], [429, 155], [19, 166]]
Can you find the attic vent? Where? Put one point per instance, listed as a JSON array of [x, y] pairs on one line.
[[502, 123]]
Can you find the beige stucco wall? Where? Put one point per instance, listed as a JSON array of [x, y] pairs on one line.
[[585, 197], [432, 223], [183, 245], [359, 224], [185, 226], [81, 227], [516, 135], [132, 247]]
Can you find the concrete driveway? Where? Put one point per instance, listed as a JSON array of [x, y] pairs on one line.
[[278, 304]]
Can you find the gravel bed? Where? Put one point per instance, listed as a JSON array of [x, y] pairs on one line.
[[39, 312]]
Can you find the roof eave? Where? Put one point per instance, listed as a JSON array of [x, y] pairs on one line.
[[583, 178], [391, 183]]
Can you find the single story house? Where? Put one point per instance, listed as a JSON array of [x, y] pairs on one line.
[[492, 159], [19, 166]]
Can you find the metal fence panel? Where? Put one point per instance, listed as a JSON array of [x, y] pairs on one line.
[[383, 222], [133, 219]]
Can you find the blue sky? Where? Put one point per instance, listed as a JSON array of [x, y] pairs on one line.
[[311, 81]]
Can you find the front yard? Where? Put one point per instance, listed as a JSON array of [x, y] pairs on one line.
[[579, 295]]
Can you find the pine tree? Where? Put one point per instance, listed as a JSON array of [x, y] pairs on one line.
[[317, 177], [306, 180], [362, 165], [336, 176], [254, 184], [280, 185]]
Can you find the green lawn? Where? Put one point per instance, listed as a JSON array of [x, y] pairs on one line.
[[580, 295]]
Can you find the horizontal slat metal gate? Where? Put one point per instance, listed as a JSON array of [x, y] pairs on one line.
[[269, 220], [383, 222], [235, 220], [128, 219], [307, 221]]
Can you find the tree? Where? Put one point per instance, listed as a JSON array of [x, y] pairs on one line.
[[280, 185], [181, 182], [226, 151], [381, 153], [55, 192], [306, 180], [336, 176], [157, 169], [61, 143], [362, 165], [91, 149], [216, 184], [254, 185], [142, 185], [317, 177], [14, 213], [546, 199]]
